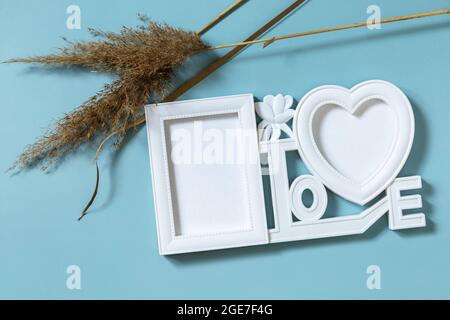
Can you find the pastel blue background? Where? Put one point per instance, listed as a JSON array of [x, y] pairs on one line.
[[116, 246]]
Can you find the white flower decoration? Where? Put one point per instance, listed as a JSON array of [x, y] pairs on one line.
[[275, 112]]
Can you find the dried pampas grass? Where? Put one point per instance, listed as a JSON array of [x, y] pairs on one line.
[[144, 58]]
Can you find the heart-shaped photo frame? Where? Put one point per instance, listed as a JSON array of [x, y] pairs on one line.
[[355, 141]]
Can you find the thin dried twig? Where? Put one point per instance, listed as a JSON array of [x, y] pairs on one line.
[[268, 41], [221, 16]]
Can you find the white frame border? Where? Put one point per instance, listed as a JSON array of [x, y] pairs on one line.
[[156, 115], [351, 100]]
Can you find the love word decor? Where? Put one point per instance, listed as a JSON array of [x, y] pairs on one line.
[[353, 141]]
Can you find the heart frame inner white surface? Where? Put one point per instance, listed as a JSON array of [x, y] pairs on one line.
[[366, 95]]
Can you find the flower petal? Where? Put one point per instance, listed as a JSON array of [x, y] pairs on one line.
[[269, 100], [278, 104], [288, 102], [264, 111], [285, 116]]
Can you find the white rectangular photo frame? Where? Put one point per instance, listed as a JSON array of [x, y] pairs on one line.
[[206, 174]]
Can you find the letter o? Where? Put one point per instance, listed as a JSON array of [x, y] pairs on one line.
[[320, 198]]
